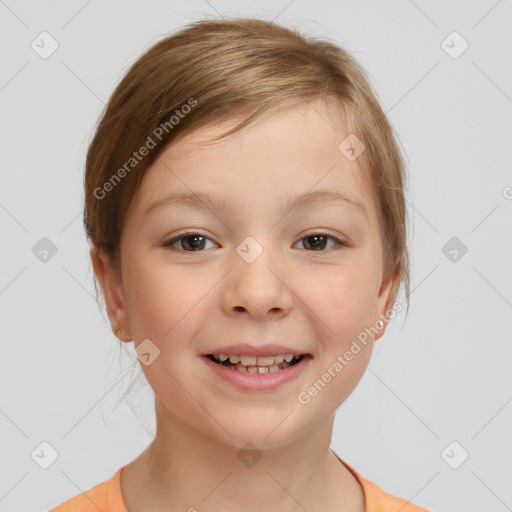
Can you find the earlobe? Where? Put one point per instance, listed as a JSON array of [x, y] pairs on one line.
[[112, 291]]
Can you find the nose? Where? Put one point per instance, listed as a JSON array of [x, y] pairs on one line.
[[258, 288]]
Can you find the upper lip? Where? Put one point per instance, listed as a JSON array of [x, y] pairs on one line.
[[244, 349]]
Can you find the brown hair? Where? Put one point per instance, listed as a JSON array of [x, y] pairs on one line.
[[219, 69]]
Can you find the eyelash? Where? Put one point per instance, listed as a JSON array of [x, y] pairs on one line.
[[340, 243]]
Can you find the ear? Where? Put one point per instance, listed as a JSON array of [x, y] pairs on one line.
[[386, 298], [112, 288]]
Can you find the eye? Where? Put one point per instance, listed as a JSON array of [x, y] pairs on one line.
[[193, 242], [189, 242], [318, 241]]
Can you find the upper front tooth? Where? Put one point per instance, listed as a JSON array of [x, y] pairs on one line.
[[247, 360], [265, 361]]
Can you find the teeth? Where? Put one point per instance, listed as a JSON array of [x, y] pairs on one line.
[[260, 369], [265, 361], [254, 364], [246, 360]]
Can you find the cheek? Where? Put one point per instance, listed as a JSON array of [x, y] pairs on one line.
[[163, 299], [346, 309], [343, 298]]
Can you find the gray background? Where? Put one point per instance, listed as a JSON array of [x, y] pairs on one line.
[[442, 376]]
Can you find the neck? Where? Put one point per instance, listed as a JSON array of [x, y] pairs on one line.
[[191, 470]]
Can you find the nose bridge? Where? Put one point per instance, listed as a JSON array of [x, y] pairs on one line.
[[256, 284]]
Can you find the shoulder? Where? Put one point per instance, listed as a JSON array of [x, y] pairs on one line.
[[378, 500], [105, 496]]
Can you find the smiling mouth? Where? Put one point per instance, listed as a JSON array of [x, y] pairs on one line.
[[251, 367]]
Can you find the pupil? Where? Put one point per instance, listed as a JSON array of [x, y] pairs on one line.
[[198, 244], [318, 241]]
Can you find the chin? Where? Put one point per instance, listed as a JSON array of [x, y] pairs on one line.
[[267, 435]]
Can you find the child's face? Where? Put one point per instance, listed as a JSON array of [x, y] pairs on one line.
[[311, 295]]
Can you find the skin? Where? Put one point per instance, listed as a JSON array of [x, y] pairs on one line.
[[187, 303]]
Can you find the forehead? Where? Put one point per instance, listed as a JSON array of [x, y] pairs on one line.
[[294, 152]]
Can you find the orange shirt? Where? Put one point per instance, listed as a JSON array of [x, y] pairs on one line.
[[107, 498]]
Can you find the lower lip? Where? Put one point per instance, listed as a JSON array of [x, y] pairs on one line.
[[258, 381]]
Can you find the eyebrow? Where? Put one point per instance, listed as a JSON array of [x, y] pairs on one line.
[[207, 201]]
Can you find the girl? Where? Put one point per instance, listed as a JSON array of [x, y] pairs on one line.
[[244, 202]]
